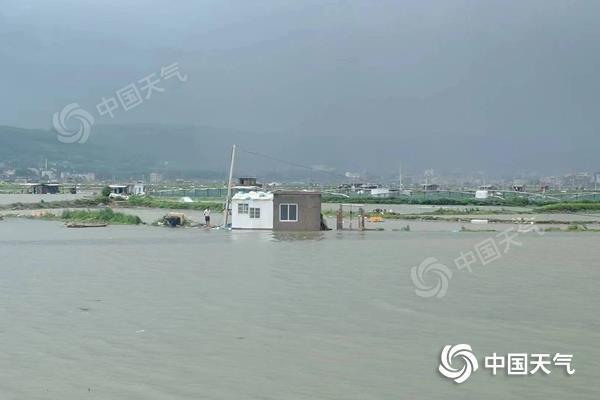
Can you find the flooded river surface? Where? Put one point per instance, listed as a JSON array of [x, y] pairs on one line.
[[140, 312], [24, 198]]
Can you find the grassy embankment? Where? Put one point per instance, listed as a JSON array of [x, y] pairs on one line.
[[48, 205], [79, 210], [9, 188], [105, 215], [460, 216], [510, 202], [583, 206], [134, 201], [573, 227], [437, 212]]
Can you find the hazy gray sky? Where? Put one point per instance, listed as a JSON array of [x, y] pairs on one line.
[[516, 79]]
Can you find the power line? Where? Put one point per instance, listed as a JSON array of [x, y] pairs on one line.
[[291, 163]]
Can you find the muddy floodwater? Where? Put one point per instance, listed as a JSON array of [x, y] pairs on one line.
[[139, 312]]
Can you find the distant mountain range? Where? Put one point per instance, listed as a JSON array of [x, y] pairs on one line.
[[135, 150], [129, 151]]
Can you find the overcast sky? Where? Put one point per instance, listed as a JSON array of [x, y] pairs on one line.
[[515, 79]]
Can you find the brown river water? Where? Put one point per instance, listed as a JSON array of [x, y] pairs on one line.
[[140, 312]]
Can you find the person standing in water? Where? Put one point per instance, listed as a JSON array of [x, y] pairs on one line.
[[207, 216]]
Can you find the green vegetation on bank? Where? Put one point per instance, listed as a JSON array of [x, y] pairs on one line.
[[103, 199], [105, 215], [437, 214], [569, 207], [6, 187], [573, 227], [455, 217], [48, 205], [509, 202], [473, 211]]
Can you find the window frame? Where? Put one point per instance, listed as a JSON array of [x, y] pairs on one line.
[[288, 212], [243, 206], [254, 212]]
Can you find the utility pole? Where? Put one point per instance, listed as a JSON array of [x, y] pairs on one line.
[[228, 199], [400, 186]]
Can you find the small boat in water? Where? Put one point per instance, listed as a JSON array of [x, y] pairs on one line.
[[84, 225]]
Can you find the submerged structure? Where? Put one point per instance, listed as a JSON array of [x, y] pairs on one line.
[[279, 211], [122, 192], [41, 188]]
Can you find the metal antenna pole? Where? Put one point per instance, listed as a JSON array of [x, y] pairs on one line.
[[228, 200]]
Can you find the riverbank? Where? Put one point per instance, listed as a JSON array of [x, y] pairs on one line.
[[133, 201], [149, 217], [586, 206], [396, 217], [106, 215], [463, 201]]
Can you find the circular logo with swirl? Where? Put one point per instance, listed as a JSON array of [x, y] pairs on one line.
[[440, 273], [469, 362], [84, 119]]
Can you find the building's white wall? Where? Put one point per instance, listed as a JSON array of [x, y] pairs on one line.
[[482, 194], [380, 192], [138, 189], [243, 221]]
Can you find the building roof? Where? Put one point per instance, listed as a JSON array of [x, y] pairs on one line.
[[40, 184], [250, 187], [295, 192], [253, 196]]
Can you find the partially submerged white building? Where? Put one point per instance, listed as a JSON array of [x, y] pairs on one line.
[[252, 210], [282, 210]]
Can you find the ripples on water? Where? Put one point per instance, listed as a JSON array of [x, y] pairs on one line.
[[142, 313]]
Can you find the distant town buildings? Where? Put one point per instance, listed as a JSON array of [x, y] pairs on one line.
[[83, 178], [155, 178], [363, 184], [430, 187]]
